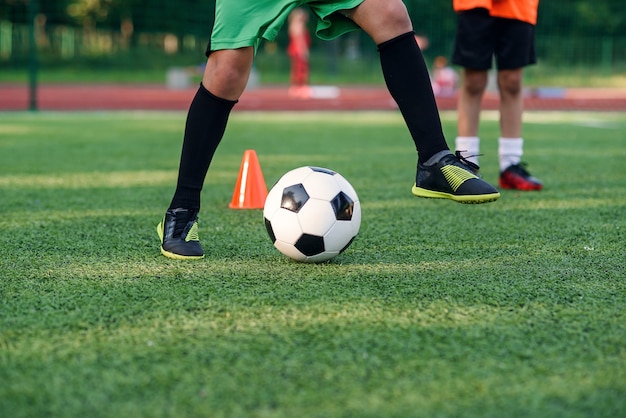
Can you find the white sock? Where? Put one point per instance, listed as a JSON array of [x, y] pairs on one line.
[[469, 147], [510, 152]]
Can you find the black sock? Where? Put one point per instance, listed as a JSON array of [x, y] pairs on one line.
[[408, 82], [204, 129]]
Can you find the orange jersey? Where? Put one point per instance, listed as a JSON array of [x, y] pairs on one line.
[[524, 10]]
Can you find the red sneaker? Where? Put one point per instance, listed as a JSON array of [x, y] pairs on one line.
[[516, 177]]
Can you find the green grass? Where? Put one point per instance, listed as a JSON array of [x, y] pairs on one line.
[[514, 308]]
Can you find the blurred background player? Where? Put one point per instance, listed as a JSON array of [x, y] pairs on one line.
[[238, 26], [298, 51], [445, 78], [504, 29]]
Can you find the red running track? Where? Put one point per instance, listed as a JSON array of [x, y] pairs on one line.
[[159, 97]]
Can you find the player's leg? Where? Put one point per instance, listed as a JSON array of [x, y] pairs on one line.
[[474, 47], [406, 74], [511, 102], [440, 173], [234, 32], [515, 50], [223, 82], [469, 103]]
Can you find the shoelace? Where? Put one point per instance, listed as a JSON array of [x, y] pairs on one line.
[[474, 167]]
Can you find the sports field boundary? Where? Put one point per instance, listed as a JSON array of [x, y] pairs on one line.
[[74, 97]]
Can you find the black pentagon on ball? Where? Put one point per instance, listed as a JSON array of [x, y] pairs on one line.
[[323, 170], [270, 230], [310, 245], [294, 197], [343, 207]]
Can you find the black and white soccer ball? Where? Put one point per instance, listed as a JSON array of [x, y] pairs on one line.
[[312, 214]]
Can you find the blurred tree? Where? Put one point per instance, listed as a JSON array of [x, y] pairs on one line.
[[582, 18], [90, 12], [572, 18]]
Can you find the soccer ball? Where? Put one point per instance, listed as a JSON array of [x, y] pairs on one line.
[[312, 214]]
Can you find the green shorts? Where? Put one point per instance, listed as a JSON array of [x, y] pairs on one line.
[[242, 23]]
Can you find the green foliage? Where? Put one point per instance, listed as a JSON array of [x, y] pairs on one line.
[[437, 309], [582, 17], [578, 17], [573, 20]]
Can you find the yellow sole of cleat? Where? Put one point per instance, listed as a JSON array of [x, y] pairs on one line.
[[181, 257], [173, 255], [468, 199], [160, 231]]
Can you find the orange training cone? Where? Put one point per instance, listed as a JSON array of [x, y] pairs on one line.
[[250, 190]]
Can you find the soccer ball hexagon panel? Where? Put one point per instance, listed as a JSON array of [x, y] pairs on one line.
[[312, 214]]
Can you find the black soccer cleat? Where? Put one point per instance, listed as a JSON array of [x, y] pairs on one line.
[[178, 232], [453, 178]]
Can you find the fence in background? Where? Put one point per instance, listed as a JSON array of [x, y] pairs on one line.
[[40, 35]]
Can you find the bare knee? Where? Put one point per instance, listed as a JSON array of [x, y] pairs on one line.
[[510, 82], [227, 72], [395, 15], [382, 19], [474, 82]]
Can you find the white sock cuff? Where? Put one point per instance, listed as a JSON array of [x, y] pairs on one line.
[[510, 151], [510, 141], [469, 147]]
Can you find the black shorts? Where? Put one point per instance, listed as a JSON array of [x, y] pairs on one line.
[[480, 37]]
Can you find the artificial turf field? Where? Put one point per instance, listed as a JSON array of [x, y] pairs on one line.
[[515, 308]]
